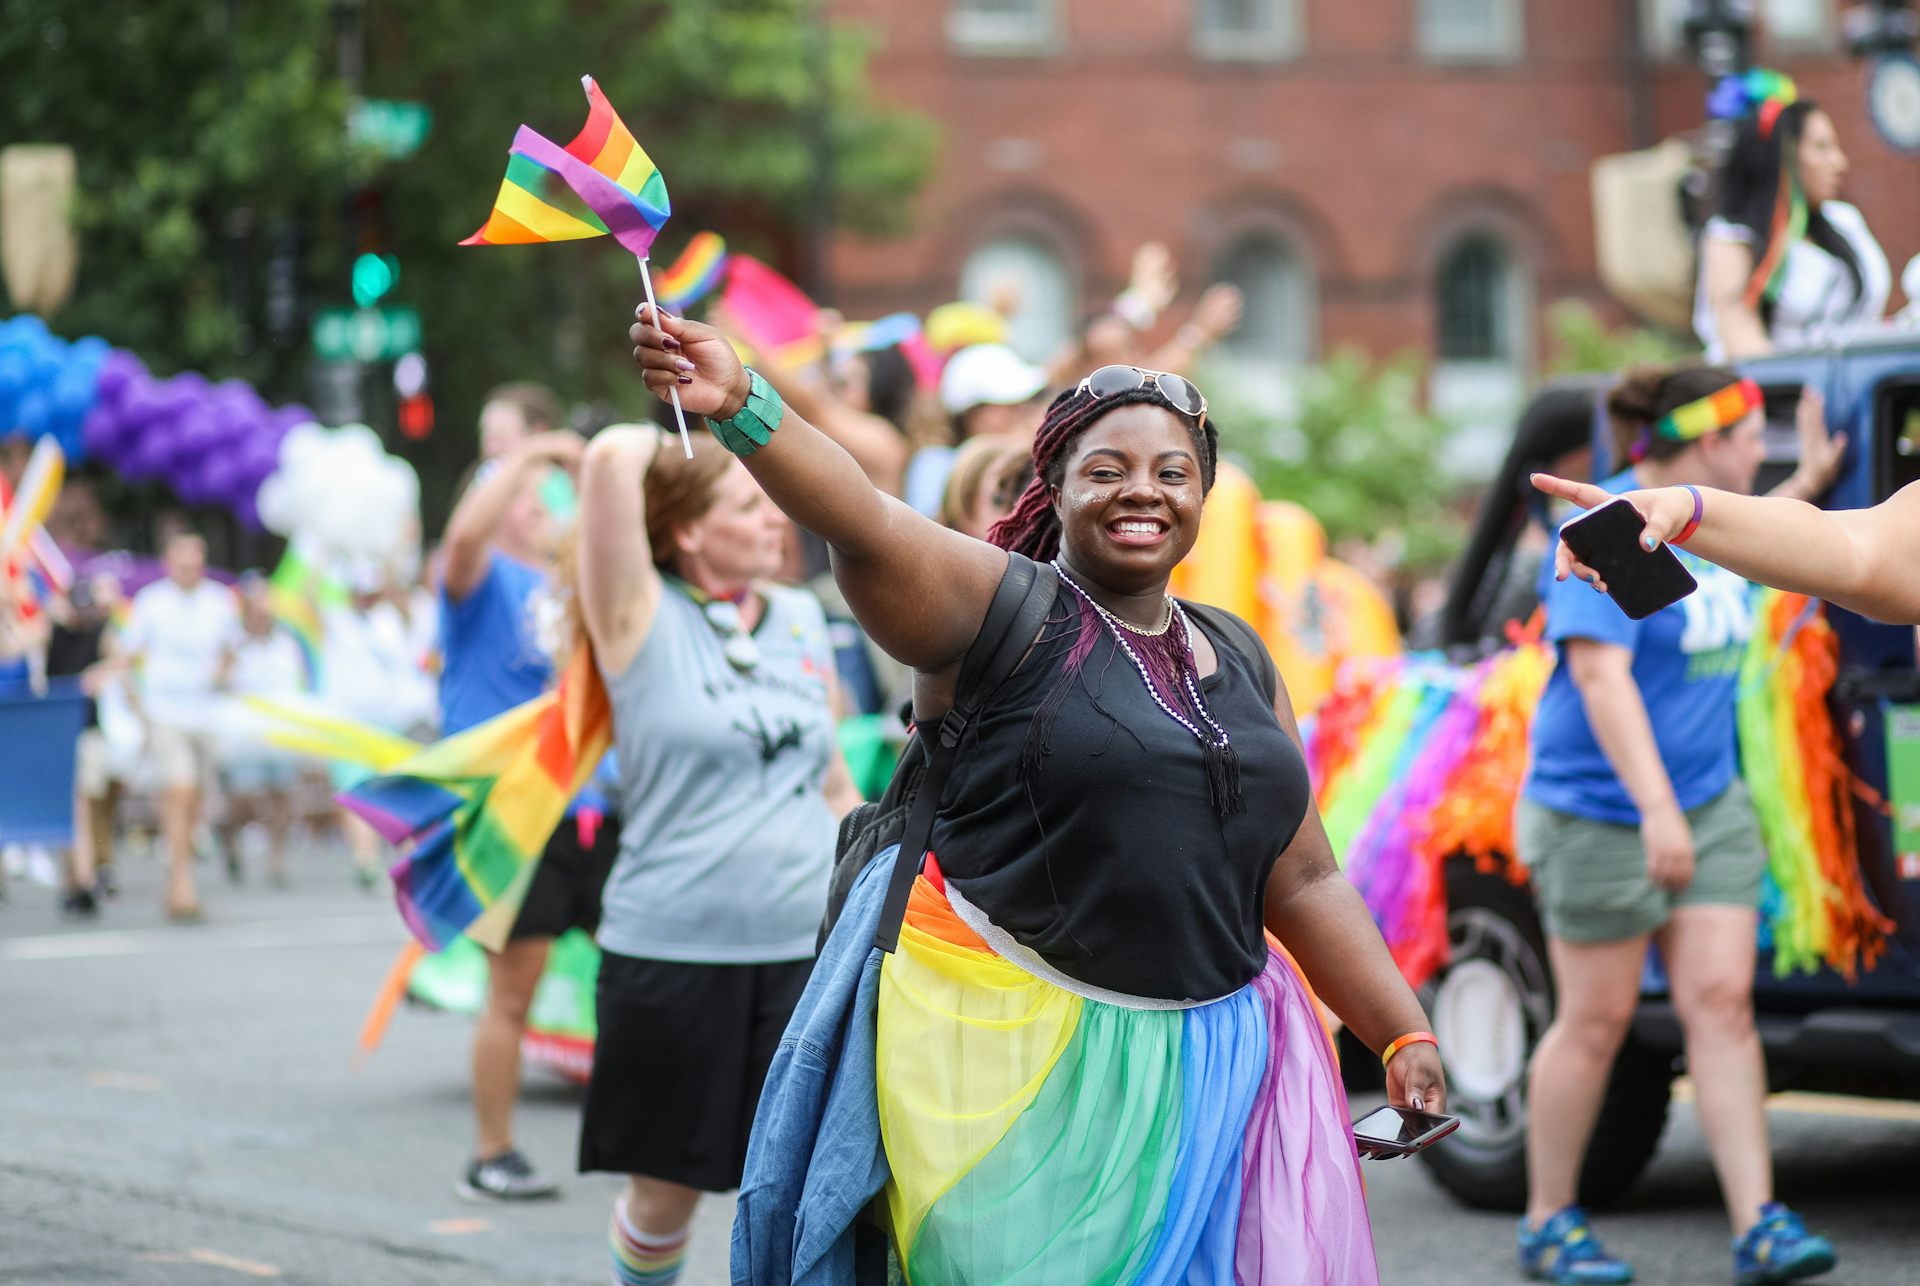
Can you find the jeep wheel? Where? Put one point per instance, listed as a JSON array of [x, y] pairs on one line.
[[1490, 1006]]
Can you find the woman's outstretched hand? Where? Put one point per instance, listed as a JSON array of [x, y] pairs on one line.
[[673, 352], [1667, 511]]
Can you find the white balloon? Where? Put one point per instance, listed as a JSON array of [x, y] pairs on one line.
[[338, 494]]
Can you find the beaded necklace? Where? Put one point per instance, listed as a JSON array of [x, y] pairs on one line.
[[1177, 681]]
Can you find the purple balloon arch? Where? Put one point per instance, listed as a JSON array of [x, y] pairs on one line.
[[213, 444]]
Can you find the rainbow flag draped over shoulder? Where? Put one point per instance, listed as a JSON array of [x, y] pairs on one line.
[[695, 273], [474, 811], [625, 195]]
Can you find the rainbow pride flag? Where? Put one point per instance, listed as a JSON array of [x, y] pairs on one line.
[[474, 811], [695, 274], [623, 190], [774, 315]]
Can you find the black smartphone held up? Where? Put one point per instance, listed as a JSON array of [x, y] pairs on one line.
[[1400, 1131], [1642, 582]]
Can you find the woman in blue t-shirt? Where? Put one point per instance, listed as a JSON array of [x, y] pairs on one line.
[[1637, 829]]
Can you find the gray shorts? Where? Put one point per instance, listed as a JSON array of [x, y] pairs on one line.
[[1590, 878]]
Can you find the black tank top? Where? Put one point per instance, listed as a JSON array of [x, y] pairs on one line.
[[1111, 861]]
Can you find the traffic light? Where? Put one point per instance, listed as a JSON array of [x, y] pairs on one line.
[[373, 276], [415, 412]]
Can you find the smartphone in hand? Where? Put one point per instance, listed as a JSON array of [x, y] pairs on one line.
[[1640, 580], [1400, 1131]]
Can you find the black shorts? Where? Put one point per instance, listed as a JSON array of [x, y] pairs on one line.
[[565, 893], [682, 1053]]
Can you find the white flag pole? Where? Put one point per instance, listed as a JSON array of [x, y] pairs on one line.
[[679, 416]]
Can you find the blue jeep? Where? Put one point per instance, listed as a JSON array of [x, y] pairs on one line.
[[1494, 998]]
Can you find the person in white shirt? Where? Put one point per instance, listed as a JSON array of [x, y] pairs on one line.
[[264, 661], [372, 673], [1785, 263], [178, 632]]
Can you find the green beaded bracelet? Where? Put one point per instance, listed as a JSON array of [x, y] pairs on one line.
[[749, 428]]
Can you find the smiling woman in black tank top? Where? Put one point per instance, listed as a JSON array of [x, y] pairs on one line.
[[1091, 1058]]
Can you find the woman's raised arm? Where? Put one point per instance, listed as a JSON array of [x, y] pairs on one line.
[[619, 587], [919, 590]]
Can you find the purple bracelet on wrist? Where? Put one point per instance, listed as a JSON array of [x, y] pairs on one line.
[[1699, 512]]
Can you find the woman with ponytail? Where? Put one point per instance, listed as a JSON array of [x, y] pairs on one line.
[[1636, 828], [1088, 1060], [1785, 262]]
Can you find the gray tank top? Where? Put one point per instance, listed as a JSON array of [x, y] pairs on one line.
[[726, 840]]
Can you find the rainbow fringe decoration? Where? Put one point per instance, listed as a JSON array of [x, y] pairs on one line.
[[626, 196], [1803, 792], [1416, 762], [695, 274], [474, 811]]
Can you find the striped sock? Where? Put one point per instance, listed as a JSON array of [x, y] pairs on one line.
[[643, 1259]]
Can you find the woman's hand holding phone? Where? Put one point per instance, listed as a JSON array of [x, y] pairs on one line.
[[1416, 1079], [1667, 511], [1668, 839]]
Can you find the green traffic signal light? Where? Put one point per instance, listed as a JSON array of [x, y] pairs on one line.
[[373, 276]]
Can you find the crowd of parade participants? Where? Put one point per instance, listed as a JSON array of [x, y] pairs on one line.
[[1098, 1051]]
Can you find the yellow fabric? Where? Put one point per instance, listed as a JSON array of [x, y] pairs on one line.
[[962, 1028]]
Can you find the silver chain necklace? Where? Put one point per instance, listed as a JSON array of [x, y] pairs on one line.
[[1115, 626]]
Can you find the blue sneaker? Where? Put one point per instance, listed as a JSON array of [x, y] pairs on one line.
[[1566, 1252], [1779, 1249]]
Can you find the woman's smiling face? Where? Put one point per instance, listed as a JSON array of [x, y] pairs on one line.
[[1129, 497]]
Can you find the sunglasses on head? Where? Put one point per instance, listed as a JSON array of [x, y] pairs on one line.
[[1178, 390]]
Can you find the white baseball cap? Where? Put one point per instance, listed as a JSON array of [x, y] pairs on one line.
[[988, 375]]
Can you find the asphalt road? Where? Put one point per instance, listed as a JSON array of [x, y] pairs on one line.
[[181, 1105]]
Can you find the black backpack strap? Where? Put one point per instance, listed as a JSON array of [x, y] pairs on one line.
[[1019, 609], [1245, 639]]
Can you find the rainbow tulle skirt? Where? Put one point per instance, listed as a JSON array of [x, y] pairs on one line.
[[1036, 1135]]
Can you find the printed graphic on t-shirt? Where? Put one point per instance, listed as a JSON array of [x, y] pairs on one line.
[[1719, 621], [774, 741]]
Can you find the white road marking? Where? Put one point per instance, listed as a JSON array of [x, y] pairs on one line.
[[177, 939]]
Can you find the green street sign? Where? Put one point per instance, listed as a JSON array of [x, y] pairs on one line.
[[365, 334], [394, 129]]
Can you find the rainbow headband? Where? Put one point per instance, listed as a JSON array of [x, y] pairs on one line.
[[1709, 414], [1761, 93]]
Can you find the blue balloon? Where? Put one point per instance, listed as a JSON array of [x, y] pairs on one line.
[[16, 371], [90, 350], [33, 415], [73, 393], [23, 330]]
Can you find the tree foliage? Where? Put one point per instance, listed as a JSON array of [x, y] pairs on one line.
[[1361, 453], [1581, 342], [213, 157]]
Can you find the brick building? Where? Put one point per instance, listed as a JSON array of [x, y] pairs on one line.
[[1397, 174]]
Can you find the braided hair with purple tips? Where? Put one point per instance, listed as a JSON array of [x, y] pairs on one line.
[[1166, 659]]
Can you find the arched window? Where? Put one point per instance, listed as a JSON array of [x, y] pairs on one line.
[[1479, 295], [1039, 276], [1483, 301], [1275, 335]]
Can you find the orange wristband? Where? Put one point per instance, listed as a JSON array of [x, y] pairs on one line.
[[1411, 1038]]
